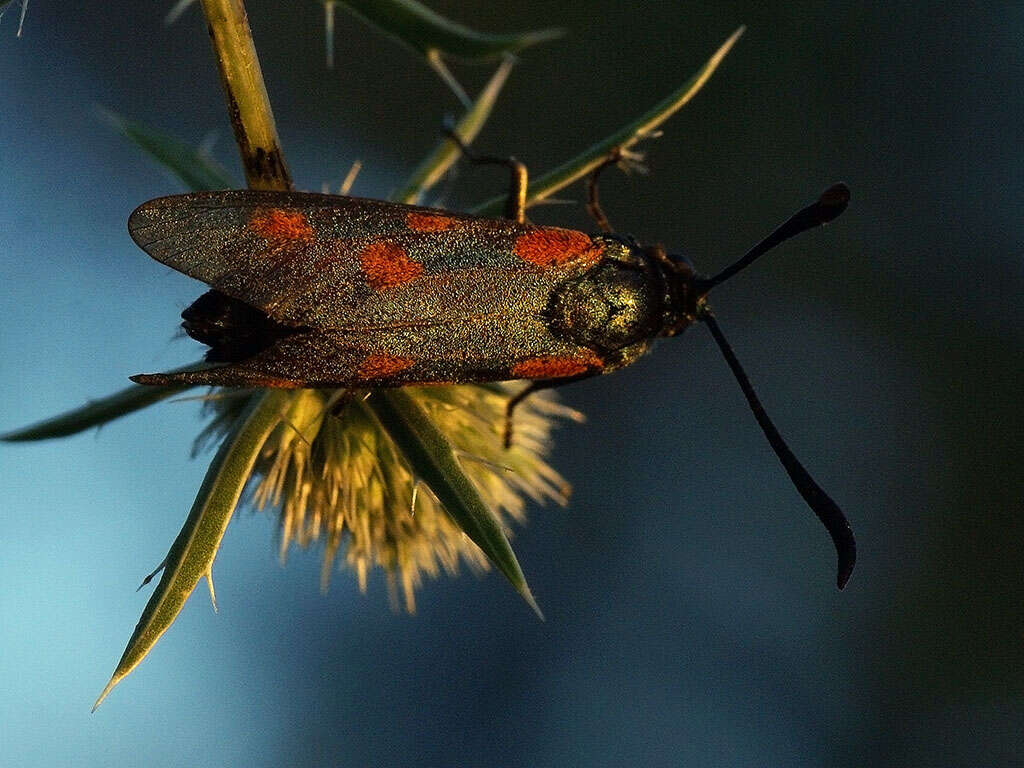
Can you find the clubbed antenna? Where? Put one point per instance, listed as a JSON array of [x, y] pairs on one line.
[[827, 510], [833, 201]]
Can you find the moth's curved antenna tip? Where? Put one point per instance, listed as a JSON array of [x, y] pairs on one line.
[[847, 550], [833, 201]]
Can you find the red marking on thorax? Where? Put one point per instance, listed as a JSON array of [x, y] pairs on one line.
[[386, 265], [380, 366], [554, 367], [274, 223], [549, 247], [430, 222]]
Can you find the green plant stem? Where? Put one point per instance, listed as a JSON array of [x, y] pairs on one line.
[[248, 105]]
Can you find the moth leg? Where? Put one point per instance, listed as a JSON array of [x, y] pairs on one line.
[[614, 157], [515, 205], [525, 392], [624, 158], [338, 402]]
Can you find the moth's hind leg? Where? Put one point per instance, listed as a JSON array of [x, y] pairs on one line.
[[515, 205], [525, 392], [337, 402]]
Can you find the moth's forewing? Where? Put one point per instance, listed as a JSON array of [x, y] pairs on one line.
[[375, 293], [333, 261]]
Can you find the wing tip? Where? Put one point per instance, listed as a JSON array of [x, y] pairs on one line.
[[160, 379], [147, 214]]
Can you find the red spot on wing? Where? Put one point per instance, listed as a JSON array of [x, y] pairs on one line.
[[380, 366], [549, 247], [273, 223], [430, 222], [556, 367], [386, 265]]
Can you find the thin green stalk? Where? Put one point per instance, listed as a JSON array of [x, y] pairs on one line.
[[624, 138], [437, 163]]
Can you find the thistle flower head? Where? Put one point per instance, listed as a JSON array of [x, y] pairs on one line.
[[334, 475]]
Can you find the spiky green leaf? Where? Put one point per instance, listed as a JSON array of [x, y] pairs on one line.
[[437, 163], [431, 459], [423, 30], [96, 413], [191, 555], [433, 36]]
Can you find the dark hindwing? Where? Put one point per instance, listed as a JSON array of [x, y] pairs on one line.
[[361, 292]]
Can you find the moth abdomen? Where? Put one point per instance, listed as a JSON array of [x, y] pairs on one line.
[[232, 329]]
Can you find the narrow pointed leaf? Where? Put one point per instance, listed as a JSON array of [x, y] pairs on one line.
[[435, 165], [177, 11], [96, 413], [432, 461], [423, 30], [21, 18], [196, 170], [582, 164], [435, 61], [191, 555], [329, 32]]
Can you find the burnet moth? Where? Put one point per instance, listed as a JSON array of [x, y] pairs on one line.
[[325, 291]]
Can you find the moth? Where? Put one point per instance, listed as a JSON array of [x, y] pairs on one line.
[[326, 291]]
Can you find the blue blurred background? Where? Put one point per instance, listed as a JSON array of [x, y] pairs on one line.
[[691, 613]]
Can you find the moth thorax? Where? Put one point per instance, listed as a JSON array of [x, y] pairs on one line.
[[682, 296], [612, 306]]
